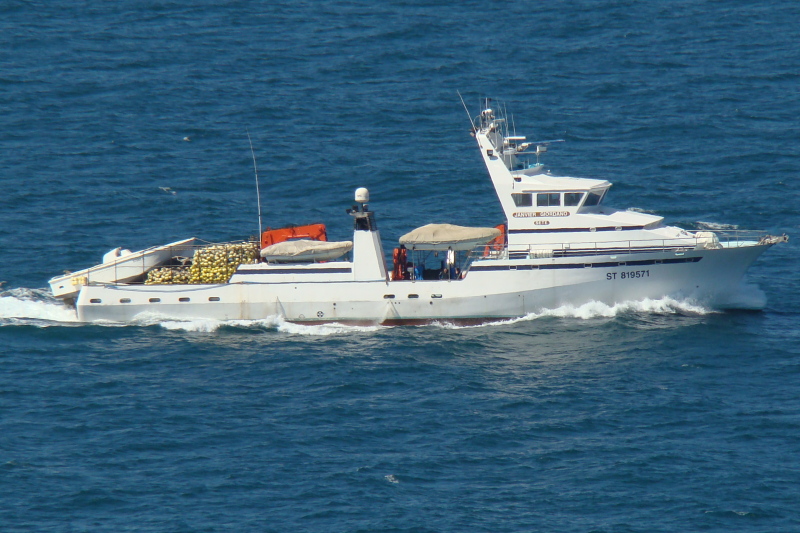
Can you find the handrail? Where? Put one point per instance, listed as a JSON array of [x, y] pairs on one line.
[[724, 239]]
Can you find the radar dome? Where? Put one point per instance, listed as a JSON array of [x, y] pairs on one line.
[[362, 195]]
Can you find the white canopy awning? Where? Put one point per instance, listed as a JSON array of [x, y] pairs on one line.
[[306, 250], [448, 236]]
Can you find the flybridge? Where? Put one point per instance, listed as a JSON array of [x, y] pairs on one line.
[[532, 197]]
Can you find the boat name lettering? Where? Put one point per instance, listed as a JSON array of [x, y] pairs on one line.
[[633, 274], [536, 214]]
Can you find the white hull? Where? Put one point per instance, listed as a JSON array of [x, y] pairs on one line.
[[491, 290]]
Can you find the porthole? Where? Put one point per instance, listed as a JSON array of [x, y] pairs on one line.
[[436, 295], [184, 299], [388, 296], [154, 300], [95, 301], [413, 295], [124, 300], [213, 298]]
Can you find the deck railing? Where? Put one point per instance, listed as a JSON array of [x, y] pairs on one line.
[[724, 239]]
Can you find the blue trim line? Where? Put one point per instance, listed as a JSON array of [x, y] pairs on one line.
[[612, 264], [340, 270], [573, 230]]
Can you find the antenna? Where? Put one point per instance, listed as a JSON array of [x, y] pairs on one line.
[[255, 169], [467, 110]]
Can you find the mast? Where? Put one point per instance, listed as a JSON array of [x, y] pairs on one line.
[[258, 192]]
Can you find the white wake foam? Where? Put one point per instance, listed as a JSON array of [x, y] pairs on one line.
[[331, 328], [32, 306], [199, 325], [715, 225], [746, 297], [275, 323], [591, 310], [661, 306]]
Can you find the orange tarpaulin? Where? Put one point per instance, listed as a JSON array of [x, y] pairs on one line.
[[314, 232]]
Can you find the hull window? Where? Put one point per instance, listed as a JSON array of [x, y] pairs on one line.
[[572, 198], [593, 199], [548, 199], [522, 199]]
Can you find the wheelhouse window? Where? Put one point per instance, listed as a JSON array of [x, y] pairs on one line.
[[548, 199], [522, 199], [573, 198], [594, 198]]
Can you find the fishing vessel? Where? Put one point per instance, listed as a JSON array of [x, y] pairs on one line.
[[560, 244]]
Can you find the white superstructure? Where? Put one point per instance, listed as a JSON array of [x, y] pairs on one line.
[[560, 245]]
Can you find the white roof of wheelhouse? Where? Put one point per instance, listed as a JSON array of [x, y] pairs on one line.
[[546, 182]]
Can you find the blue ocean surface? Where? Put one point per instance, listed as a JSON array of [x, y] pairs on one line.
[[126, 124]]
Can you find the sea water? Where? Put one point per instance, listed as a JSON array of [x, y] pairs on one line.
[[126, 124]]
